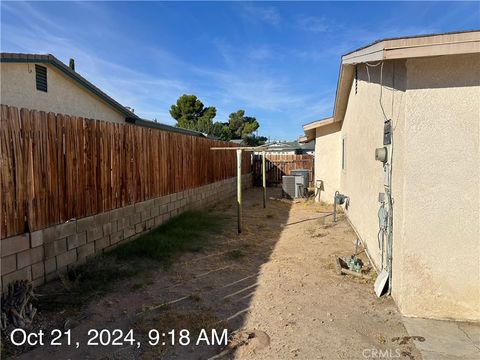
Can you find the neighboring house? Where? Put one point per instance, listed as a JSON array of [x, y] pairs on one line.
[[44, 83], [425, 92], [291, 148], [239, 142]]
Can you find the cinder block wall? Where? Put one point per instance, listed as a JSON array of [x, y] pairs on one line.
[[40, 256]]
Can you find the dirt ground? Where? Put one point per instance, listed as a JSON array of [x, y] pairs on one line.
[[274, 287]]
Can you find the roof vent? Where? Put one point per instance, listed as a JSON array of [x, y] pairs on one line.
[[130, 109], [71, 64], [41, 77]]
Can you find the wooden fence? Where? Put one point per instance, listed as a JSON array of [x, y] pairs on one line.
[[279, 165], [56, 167]]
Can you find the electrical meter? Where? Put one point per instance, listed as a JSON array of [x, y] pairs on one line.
[[381, 154], [387, 133]]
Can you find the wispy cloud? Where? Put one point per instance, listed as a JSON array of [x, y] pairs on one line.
[[265, 13], [279, 62], [314, 24]]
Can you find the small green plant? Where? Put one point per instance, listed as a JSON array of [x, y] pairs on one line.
[[186, 232]]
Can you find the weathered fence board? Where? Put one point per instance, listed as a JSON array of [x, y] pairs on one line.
[[279, 165], [57, 167]]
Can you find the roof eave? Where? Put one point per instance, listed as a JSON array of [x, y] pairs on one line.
[[396, 48], [52, 60]]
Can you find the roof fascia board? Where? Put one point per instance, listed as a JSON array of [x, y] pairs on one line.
[[414, 51], [371, 53], [344, 86], [318, 123], [389, 49]]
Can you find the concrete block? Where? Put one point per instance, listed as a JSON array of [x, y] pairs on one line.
[[9, 264], [113, 226], [38, 270], [66, 258], [102, 243], [164, 209], [29, 257], [161, 200], [107, 229], [102, 218], [115, 214], [158, 220], [145, 215], [82, 238], [150, 224], [155, 211], [128, 232], [49, 234], [14, 244], [122, 223], [39, 281], [140, 227], [36, 238], [85, 223], [50, 265], [165, 217], [72, 241], [22, 274], [94, 233], [140, 206], [66, 229], [116, 237], [127, 211], [134, 219], [85, 250], [55, 248]]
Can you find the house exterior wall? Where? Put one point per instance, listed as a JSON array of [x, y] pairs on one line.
[[328, 160], [440, 259], [44, 254], [362, 179], [434, 104], [64, 95]]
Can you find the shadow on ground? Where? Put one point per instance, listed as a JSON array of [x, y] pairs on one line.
[[209, 289]]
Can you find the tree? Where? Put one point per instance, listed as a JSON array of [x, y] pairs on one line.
[[191, 114], [222, 131], [240, 125], [253, 140]]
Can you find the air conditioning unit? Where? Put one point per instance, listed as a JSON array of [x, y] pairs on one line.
[[292, 186], [305, 173]]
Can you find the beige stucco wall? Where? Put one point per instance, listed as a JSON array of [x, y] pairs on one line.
[[64, 95], [328, 160], [434, 104], [362, 130], [440, 262]]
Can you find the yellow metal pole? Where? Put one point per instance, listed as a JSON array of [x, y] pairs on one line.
[[239, 190], [264, 180]]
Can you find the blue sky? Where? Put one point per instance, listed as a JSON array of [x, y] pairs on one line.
[[277, 60]]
